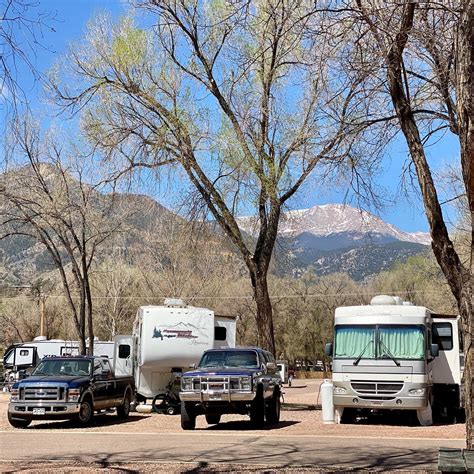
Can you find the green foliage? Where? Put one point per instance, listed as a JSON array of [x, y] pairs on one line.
[[128, 46]]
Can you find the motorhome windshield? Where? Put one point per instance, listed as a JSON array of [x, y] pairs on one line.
[[229, 359], [72, 367], [379, 342]]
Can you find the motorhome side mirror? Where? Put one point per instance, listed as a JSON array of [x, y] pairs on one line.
[[328, 349], [434, 349]]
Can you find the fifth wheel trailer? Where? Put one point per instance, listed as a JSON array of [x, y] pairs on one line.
[[166, 341], [394, 355]]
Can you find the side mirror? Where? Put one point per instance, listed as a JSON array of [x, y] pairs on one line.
[[328, 349], [434, 349], [192, 366]]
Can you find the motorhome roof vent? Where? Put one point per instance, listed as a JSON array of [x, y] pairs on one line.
[[174, 303], [40, 338], [380, 300]]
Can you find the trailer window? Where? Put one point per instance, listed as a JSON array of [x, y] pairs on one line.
[[220, 333], [443, 335], [124, 351]]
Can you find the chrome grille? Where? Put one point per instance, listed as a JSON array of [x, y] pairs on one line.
[[45, 393], [220, 384], [377, 388]]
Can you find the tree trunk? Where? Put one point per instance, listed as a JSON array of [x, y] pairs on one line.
[[457, 276], [465, 111], [266, 337], [465, 311]]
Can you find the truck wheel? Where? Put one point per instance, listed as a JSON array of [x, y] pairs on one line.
[[273, 409], [212, 419], [188, 418], [86, 412], [257, 410], [124, 410], [18, 422]]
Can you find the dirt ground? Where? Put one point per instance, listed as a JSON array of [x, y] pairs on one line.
[[300, 416]]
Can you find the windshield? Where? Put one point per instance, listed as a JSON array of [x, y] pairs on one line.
[[72, 367], [229, 359], [379, 342]]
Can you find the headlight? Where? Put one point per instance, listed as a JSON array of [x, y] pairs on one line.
[[339, 390], [246, 383], [14, 395], [73, 394], [186, 383], [417, 392]]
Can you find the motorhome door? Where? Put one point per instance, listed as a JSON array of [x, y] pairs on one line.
[[123, 351], [24, 356]]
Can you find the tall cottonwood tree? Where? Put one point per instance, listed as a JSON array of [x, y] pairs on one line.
[[237, 95], [48, 197], [423, 55]]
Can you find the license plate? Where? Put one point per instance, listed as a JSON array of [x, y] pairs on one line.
[[39, 411], [215, 396]]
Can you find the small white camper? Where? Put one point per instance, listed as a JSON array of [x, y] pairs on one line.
[[167, 340], [26, 355]]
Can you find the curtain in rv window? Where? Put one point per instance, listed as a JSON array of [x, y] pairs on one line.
[[401, 342], [350, 342]]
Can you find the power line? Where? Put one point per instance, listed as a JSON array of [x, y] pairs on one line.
[[238, 297]]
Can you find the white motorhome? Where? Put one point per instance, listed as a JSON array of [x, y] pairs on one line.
[[393, 355], [26, 355], [167, 340]]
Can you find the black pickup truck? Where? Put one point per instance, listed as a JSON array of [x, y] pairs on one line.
[[241, 380], [69, 387]]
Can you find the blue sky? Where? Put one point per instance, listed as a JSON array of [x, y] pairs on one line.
[[404, 212]]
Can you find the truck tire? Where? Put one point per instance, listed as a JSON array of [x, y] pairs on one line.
[[86, 412], [273, 408], [188, 417], [18, 422], [124, 410], [213, 419], [257, 410]]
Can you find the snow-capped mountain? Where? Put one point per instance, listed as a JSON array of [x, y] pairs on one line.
[[339, 238], [339, 222]]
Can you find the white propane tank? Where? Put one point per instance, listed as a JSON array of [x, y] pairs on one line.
[[327, 406]]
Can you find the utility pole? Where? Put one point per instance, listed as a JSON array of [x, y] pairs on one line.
[[41, 311]]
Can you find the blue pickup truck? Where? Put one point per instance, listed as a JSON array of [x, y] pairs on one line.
[[241, 380], [69, 387]]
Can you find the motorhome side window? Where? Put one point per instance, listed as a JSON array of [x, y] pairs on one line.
[[443, 335], [220, 333], [379, 341]]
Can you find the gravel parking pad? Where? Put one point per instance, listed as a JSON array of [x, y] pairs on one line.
[[301, 418]]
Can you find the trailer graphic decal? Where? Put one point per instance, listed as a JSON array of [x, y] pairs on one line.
[[173, 333]]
